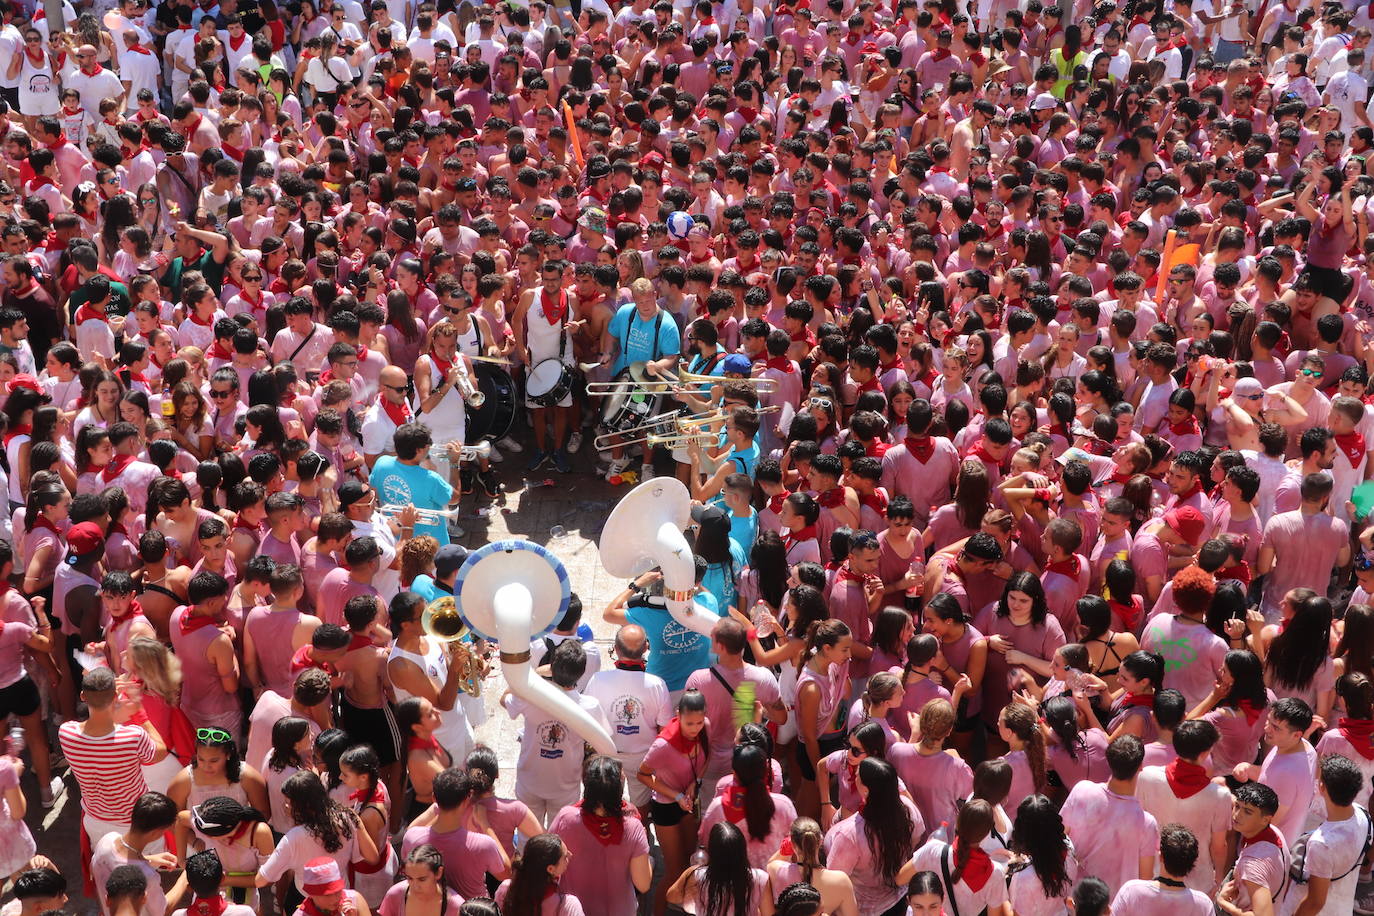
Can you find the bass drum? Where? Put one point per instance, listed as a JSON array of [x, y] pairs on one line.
[[495, 417]]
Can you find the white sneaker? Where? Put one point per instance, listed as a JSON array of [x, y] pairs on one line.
[[575, 442], [49, 794], [495, 455], [617, 467], [510, 445], [646, 472]]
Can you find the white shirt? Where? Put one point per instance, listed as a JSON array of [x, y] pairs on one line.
[[1333, 848], [637, 705]]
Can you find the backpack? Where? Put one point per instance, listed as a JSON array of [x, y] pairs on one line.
[[1297, 853]]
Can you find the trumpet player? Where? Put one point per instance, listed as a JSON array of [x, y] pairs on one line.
[[444, 382], [404, 481], [739, 455]]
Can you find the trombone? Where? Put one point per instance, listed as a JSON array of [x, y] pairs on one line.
[[639, 381], [423, 516], [704, 383], [684, 439], [694, 425]]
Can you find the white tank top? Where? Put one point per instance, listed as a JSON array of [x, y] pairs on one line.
[[455, 734]]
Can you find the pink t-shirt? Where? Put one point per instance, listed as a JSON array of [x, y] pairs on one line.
[[339, 586], [1110, 832], [1262, 863], [13, 638], [937, 782], [1089, 760], [394, 903], [720, 723], [1204, 813], [1150, 898], [676, 770], [1192, 654], [599, 875], [1293, 778], [848, 850], [1301, 543], [468, 856], [559, 904], [926, 484], [759, 850]]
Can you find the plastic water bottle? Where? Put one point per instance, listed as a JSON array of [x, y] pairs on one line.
[[15, 741], [699, 858]]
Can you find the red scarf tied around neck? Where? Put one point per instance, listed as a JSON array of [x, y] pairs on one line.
[[1138, 699], [832, 498], [1186, 779], [920, 447], [398, 413], [190, 623], [443, 365], [423, 744], [608, 829], [18, 429], [672, 733], [1188, 427], [557, 310], [732, 804], [1360, 734], [1267, 835], [781, 363], [115, 467], [212, 906], [87, 313], [135, 610], [790, 540], [978, 870], [775, 502], [940, 54], [1069, 567], [1252, 715], [1352, 446]]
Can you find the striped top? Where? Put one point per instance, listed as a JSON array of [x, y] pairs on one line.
[[109, 769]]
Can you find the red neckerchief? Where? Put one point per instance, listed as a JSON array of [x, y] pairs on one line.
[[885, 368], [1360, 734], [1122, 477], [1239, 573], [920, 447], [233, 152], [608, 829], [781, 363], [1069, 567], [359, 641], [630, 664], [775, 502], [42, 55], [203, 322], [1188, 427], [1137, 699], [871, 385], [848, 575], [732, 804], [305, 659], [42, 521], [1252, 714], [980, 452], [139, 49], [805, 335], [115, 467], [789, 540], [1060, 430], [832, 498], [18, 429], [443, 365], [876, 449], [60, 142], [87, 313], [201, 906], [978, 869], [96, 72], [940, 54], [364, 796], [1128, 613], [362, 352], [555, 312], [135, 610], [190, 623], [423, 744], [191, 131], [399, 413], [1267, 835], [672, 733], [1352, 446], [237, 43], [1186, 779], [1192, 491], [877, 500]]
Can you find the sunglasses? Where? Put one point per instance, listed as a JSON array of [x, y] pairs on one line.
[[1311, 373], [214, 736], [221, 395], [822, 403]]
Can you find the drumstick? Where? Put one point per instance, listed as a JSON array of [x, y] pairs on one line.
[[490, 359], [588, 367]]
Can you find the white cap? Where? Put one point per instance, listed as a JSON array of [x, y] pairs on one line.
[[1044, 101]]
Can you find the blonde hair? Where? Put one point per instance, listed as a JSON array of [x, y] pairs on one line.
[[417, 557], [157, 666], [642, 285], [806, 839], [937, 721]]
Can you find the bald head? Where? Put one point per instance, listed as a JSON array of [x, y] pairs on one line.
[[631, 643], [393, 382]]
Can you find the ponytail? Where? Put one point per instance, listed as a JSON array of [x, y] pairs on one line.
[[1023, 723]]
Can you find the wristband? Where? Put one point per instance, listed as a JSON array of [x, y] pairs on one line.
[[679, 797], [751, 634]]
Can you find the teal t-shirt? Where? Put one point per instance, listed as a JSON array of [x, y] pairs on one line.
[[674, 651], [400, 484]]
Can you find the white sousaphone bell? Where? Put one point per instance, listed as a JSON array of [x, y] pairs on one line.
[[512, 593], [645, 531]]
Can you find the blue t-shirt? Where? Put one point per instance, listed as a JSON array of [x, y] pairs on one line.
[[743, 530], [721, 579], [400, 484], [674, 651], [637, 337]]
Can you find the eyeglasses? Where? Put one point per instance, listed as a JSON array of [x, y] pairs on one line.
[[220, 395], [1251, 397], [397, 387], [257, 278], [214, 736], [856, 751], [453, 311]]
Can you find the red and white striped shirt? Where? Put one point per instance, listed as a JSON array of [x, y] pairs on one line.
[[109, 769]]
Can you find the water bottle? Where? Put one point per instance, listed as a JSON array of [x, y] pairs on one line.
[[14, 741], [699, 858]]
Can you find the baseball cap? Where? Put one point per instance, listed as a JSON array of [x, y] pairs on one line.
[[84, 538], [708, 513], [448, 559], [737, 364], [1044, 101], [322, 877], [1187, 521]]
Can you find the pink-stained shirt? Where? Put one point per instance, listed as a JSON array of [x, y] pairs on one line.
[[1089, 761], [1204, 814], [848, 850], [1302, 544], [946, 527], [468, 856], [1062, 592], [849, 603], [676, 770], [993, 893], [937, 782], [1150, 898], [394, 903], [272, 642], [559, 904], [1335, 741], [339, 586], [927, 484], [1192, 653], [203, 697], [599, 874], [720, 722], [1028, 896], [1262, 863], [1040, 641], [1293, 778], [917, 695], [13, 638], [1110, 832], [504, 815], [759, 850]]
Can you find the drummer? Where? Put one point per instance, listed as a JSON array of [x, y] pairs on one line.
[[640, 332], [541, 328]]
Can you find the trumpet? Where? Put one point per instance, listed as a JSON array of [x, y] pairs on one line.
[[473, 452], [657, 422], [712, 417], [469, 392], [423, 516], [707, 382]]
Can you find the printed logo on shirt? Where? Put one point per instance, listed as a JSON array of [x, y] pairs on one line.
[[395, 491], [551, 735], [624, 712], [678, 637]]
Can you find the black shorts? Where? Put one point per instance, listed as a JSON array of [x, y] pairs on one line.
[[11, 97], [20, 698], [666, 815], [376, 727], [828, 745]]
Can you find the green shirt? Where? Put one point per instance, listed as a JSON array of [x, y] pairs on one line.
[[206, 264], [119, 303]]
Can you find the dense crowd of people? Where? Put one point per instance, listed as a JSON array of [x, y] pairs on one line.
[[1016, 359]]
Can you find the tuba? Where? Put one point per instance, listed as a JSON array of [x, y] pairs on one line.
[[442, 622], [645, 531], [512, 593]]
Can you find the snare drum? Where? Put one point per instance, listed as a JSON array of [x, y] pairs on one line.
[[549, 384], [628, 409]]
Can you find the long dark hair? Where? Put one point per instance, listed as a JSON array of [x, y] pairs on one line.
[[1061, 715], [768, 559], [887, 822], [972, 826], [809, 604], [530, 878], [751, 766], [727, 879], [286, 734], [1038, 834], [1356, 644], [603, 783], [322, 817], [887, 630], [1247, 677], [1302, 647], [233, 764], [1027, 584]]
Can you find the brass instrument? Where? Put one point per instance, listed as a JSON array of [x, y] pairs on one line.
[[469, 392], [683, 440], [655, 431], [423, 516], [707, 382], [442, 622], [639, 382]]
